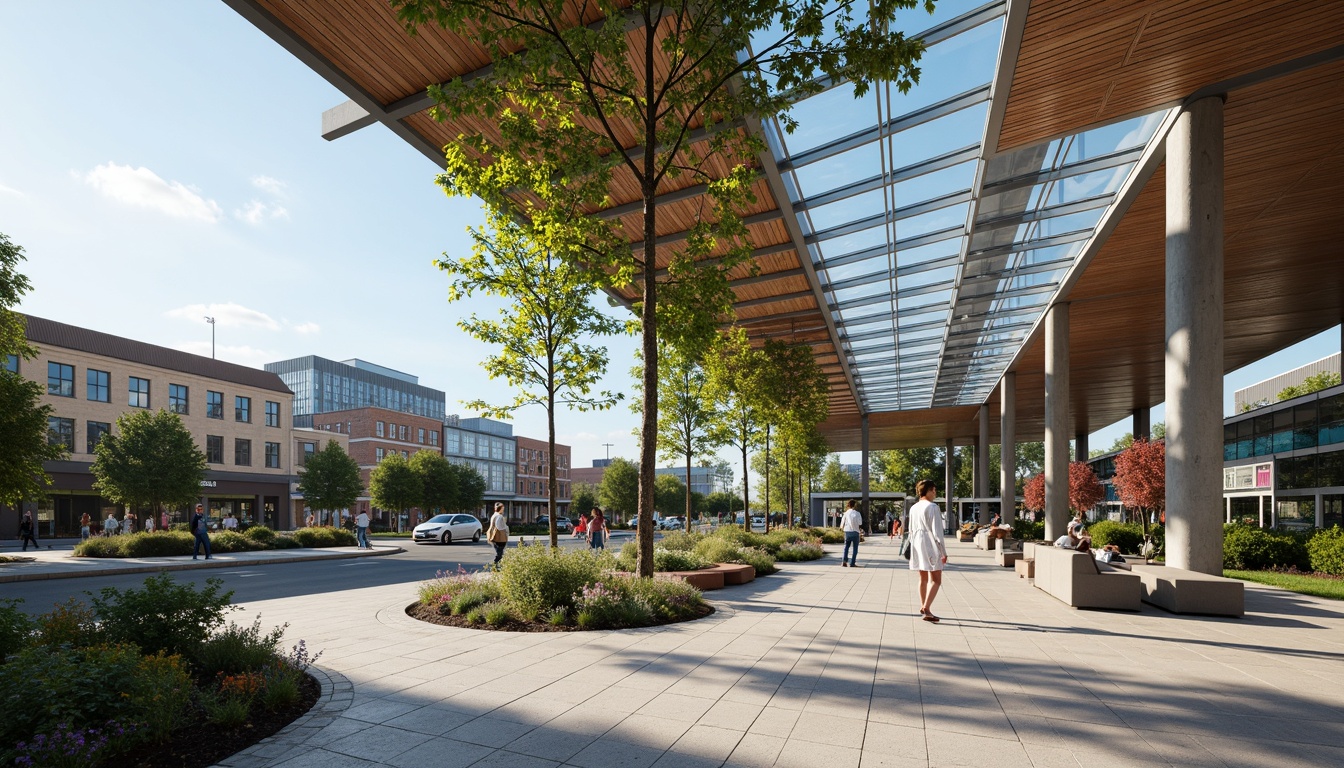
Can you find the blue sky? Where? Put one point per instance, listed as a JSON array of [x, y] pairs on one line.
[[162, 162]]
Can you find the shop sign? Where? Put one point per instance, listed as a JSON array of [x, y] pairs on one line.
[[207, 483]]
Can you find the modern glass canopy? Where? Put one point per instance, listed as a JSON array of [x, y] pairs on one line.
[[935, 261]]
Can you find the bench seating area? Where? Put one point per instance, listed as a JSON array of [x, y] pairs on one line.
[[1005, 555], [1080, 581], [982, 541], [714, 577], [1181, 591]]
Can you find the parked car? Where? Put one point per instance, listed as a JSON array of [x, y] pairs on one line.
[[671, 524], [445, 529], [562, 524]]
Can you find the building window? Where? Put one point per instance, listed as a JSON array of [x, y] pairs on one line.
[[61, 432], [378, 455], [60, 380], [96, 430], [242, 452], [434, 437], [12, 363], [420, 435], [273, 455], [177, 398], [214, 449], [99, 386], [308, 450], [242, 408], [405, 455], [272, 414], [378, 429], [138, 392], [214, 405], [401, 432]]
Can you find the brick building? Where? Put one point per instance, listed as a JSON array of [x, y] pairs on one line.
[[306, 442], [532, 477], [374, 434], [487, 446], [239, 417]]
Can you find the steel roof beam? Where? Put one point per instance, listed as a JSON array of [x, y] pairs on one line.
[[914, 171], [1048, 175], [909, 211], [882, 250]]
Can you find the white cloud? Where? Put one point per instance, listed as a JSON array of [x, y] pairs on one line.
[[307, 328], [270, 185], [10, 191], [240, 354], [143, 188], [226, 316], [255, 212]]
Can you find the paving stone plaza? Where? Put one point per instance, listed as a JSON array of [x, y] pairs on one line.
[[824, 666]]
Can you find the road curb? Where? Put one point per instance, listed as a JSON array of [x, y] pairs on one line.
[[212, 563]]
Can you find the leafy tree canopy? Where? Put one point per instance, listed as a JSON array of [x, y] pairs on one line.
[[1313, 383], [394, 485], [330, 479], [24, 441], [438, 481], [670, 496], [149, 459], [835, 479], [13, 285], [1141, 476], [582, 499], [470, 488], [619, 491]]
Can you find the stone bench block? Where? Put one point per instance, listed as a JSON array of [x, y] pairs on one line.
[[1181, 591], [736, 573], [704, 579]]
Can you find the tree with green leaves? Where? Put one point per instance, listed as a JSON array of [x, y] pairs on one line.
[[898, 470], [797, 398], [438, 482], [395, 485], [149, 460], [737, 373], [24, 435], [1314, 383], [722, 503], [330, 480], [658, 95], [541, 330], [470, 486], [1124, 441], [685, 413], [835, 479], [582, 500], [670, 496], [619, 491]]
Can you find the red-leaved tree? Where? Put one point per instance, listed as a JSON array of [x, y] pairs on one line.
[[1141, 477], [1033, 493], [1084, 488]]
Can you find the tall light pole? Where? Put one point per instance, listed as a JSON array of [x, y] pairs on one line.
[[608, 447], [211, 321]]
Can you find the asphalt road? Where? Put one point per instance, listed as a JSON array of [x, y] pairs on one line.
[[266, 582]]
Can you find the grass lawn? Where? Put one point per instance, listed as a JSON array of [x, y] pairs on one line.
[[1320, 586]]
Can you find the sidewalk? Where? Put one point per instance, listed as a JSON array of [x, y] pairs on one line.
[[62, 564], [825, 666]]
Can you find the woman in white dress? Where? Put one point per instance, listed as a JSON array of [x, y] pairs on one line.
[[927, 552]]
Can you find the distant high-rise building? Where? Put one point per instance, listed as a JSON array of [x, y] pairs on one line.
[[326, 386], [704, 480], [488, 446]]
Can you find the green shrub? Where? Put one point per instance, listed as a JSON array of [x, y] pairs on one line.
[[233, 541], [1127, 536], [161, 693], [231, 704], [828, 535], [497, 613], [100, 546], [676, 560], [558, 617], [800, 551], [1326, 551], [236, 649], [474, 595], [536, 579], [716, 549], [260, 534], [161, 544], [680, 540], [71, 623], [322, 536], [671, 598], [163, 616], [759, 559], [285, 542], [1026, 530], [628, 556], [41, 687], [608, 605], [445, 586], [1246, 548], [14, 627]]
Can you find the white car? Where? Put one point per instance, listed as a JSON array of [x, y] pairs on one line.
[[445, 529], [671, 524]]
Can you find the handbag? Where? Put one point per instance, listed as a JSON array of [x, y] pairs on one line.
[[905, 546]]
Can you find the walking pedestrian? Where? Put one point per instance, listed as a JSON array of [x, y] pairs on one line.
[[309, 521], [499, 531], [128, 522], [164, 522], [928, 554], [230, 522], [852, 525], [110, 525], [362, 529], [582, 528], [85, 523], [149, 523], [597, 530], [200, 526], [28, 531]]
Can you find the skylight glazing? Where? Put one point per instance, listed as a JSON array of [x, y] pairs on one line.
[[933, 279]]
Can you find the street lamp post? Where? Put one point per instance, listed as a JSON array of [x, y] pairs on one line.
[[211, 321], [608, 447]]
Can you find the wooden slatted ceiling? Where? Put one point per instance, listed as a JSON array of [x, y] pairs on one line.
[[1084, 62]]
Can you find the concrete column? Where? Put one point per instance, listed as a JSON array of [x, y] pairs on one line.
[[1056, 421], [982, 464], [1194, 353], [949, 476], [863, 472], [1008, 446], [1080, 447], [1142, 429]]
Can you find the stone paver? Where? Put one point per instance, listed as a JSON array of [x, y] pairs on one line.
[[820, 665]]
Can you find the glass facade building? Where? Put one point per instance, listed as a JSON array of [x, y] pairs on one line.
[[325, 386], [486, 445]]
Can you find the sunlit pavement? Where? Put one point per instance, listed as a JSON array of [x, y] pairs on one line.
[[824, 666]]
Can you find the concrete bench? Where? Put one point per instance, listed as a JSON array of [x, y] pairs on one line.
[[1005, 554], [1025, 569], [704, 579], [1181, 591], [735, 573], [1080, 581]]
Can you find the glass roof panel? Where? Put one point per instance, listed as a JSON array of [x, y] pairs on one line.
[[818, 117], [951, 67], [850, 209], [840, 170], [935, 184]]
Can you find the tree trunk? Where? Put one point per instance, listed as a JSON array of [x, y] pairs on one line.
[[686, 523], [767, 478], [746, 489], [648, 433], [550, 470]]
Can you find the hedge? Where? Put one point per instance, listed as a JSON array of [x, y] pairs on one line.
[[177, 543]]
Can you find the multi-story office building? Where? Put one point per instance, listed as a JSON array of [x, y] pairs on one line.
[[308, 441], [487, 446], [534, 475], [704, 480], [325, 386], [239, 417], [373, 435]]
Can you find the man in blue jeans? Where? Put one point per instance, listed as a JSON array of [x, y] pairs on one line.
[[200, 527], [852, 524]]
